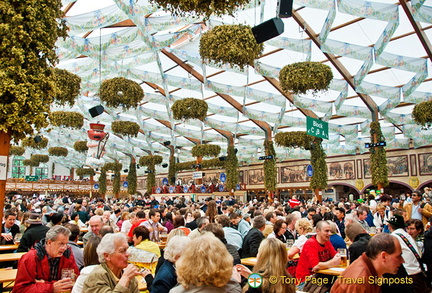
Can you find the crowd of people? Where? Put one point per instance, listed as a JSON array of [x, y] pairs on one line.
[[389, 243]]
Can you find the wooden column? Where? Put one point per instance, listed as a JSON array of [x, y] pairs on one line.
[[5, 138]]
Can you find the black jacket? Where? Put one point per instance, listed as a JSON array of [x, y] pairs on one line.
[[427, 254], [251, 242], [359, 246], [33, 234]]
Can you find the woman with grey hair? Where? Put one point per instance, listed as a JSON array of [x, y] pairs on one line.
[[166, 277], [114, 274]]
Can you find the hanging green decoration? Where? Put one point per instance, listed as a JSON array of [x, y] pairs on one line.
[[67, 87], [58, 151], [203, 8], [116, 168], [16, 150], [189, 165], [150, 161], [103, 181], [294, 139], [127, 128], [300, 77], [378, 157], [81, 172], [231, 168], [73, 120], [31, 142], [189, 108], [40, 158], [206, 150], [422, 113], [121, 92], [233, 44], [270, 166], [81, 146], [30, 163], [211, 163], [172, 170], [319, 165], [132, 177]]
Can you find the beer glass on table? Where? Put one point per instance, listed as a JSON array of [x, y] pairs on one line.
[[68, 274], [344, 257]]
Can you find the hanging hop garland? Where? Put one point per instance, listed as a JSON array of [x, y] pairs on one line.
[[40, 158], [232, 44], [121, 92], [378, 157], [189, 108], [73, 120], [58, 151], [422, 113], [127, 128], [67, 87], [294, 139], [206, 150], [30, 142], [80, 146], [16, 151], [81, 172]]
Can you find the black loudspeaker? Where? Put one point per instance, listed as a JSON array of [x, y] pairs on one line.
[[284, 8], [164, 165], [96, 110], [37, 139], [166, 143], [268, 30]]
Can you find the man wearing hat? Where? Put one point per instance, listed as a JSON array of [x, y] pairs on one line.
[[35, 232], [411, 264]]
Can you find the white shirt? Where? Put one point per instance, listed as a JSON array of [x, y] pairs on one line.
[[126, 225], [411, 264]]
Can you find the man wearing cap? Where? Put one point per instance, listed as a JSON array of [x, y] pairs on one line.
[[417, 209], [411, 265], [41, 269], [35, 232]]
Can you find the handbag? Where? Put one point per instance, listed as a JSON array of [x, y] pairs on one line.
[[312, 286]]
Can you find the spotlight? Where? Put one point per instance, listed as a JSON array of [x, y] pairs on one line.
[[166, 143], [125, 170], [37, 139], [147, 171], [222, 158], [164, 165], [193, 166], [96, 110]]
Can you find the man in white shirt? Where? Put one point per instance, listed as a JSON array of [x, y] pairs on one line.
[[153, 225], [412, 266]]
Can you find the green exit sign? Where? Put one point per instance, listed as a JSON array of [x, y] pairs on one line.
[[32, 178], [316, 127]]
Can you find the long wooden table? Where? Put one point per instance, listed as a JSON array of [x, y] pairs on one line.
[[8, 247], [251, 261], [11, 256]]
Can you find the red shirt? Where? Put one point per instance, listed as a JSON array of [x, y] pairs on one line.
[[130, 234], [293, 202], [313, 253]]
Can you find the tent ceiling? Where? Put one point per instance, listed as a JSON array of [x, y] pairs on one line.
[[380, 54]]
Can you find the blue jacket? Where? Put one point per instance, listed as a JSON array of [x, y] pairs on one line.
[[165, 279]]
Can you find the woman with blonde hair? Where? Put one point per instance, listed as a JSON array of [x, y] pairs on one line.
[[206, 266], [271, 262], [304, 228]]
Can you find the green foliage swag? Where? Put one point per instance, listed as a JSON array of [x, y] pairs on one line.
[[300, 77], [205, 164], [116, 167], [30, 162], [231, 168], [81, 172], [232, 44], [378, 167], [29, 142], [68, 119], [200, 8], [319, 165], [151, 161], [302, 140], [189, 108], [294, 139], [40, 158], [270, 166], [80, 146], [121, 92], [58, 151], [186, 165], [29, 31], [206, 150], [132, 177], [67, 87], [422, 113], [102, 182], [16, 150], [172, 170], [127, 128]]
